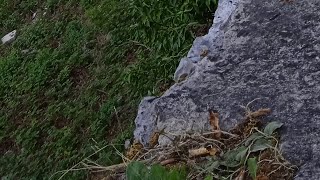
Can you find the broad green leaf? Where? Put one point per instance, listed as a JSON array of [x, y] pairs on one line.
[[242, 154], [208, 177], [260, 145], [158, 172], [136, 171], [253, 137], [230, 157], [252, 167], [212, 165], [271, 127], [177, 175]]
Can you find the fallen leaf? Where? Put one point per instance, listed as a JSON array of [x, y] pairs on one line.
[[198, 152], [168, 161], [240, 175], [214, 123], [262, 177], [259, 113], [212, 151], [134, 150], [154, 138]]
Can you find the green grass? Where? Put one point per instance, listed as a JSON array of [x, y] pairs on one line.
[[88, 65]]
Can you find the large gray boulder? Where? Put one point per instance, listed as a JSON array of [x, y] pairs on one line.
[[256, 49]]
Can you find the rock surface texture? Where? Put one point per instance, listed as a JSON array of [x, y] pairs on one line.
[[256, 49]]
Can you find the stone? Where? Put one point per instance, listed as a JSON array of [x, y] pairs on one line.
[[25, 51], [205, 45], [34, 17], [264, 52], [144, 127], [8, 38], [127, 144]]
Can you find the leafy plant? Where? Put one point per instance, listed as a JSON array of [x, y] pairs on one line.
[[252, 167], [260, 145], [209, 177], [235, 157], [271, 127], [241, 155], [137, 171]]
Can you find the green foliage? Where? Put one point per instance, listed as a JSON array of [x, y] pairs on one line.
[[234, 157], [252, 167], [161, 33], [71, 81], [138, 171], [238, 157], [271, 127], [242, 153], [260, 145], [253, 137], [209, 177]]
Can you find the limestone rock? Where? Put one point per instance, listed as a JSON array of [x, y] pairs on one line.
[[145, 127], [208, 44], [257, 49], [127, 144]]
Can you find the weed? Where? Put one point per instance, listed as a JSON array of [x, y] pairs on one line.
[[137, 170]]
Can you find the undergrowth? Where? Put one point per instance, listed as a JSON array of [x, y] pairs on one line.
[[71, 81], [249, 151]]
